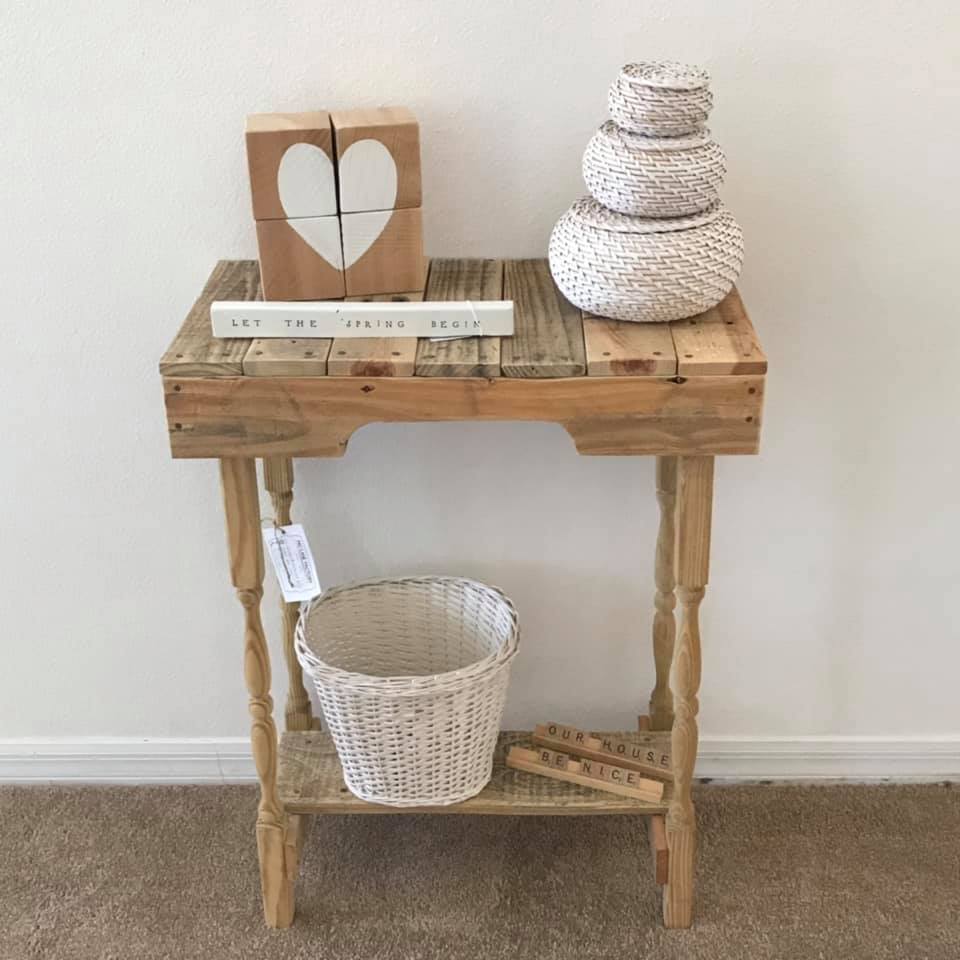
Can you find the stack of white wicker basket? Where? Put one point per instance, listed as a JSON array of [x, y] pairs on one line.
[[652, 242]]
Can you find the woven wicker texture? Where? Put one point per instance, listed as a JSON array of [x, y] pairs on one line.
[[412, 677], [660, 99], [645, 270], [653, 176], [666, 74]]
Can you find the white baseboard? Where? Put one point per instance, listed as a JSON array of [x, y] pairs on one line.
[[228, 760]]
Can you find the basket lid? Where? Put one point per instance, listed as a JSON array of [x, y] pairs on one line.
[[639, 141], [665, 74], [595, 214]]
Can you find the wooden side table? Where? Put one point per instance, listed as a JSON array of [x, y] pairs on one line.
[[683, 392]]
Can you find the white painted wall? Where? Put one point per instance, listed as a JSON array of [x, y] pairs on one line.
[[832, 604]]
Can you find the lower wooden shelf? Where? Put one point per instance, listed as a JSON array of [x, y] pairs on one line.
[[310, 781]]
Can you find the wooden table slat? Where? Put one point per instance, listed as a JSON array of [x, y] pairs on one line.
[[375, 356], [469, 356], [720, 341], [548, 330], [298, 357], [617, 348], [195, 352]]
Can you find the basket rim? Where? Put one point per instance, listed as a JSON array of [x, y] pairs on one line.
[[591, 213], [611, 131], [405, 685]]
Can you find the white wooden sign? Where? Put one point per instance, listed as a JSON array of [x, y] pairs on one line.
[[335, 318]]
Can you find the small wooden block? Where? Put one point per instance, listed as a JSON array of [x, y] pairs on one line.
[[618, 348], [643, 756], [383, 253], [659, 852], [376, 356], [530, 761], [291, 162], [300, 259], [378, 159], [273, 357]]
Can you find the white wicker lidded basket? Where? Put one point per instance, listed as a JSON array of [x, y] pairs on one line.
[[412, 676], [653, 176], [660, 99], [644, 269]]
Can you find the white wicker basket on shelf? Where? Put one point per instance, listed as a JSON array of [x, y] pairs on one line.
[[412, 676], [660, 99], [653, 176], [635, 268]]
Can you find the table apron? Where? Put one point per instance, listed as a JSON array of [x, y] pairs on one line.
[[315, 417]]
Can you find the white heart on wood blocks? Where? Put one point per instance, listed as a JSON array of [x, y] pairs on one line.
[[368, 180], [323, 235], [368, 177], [306, 182]]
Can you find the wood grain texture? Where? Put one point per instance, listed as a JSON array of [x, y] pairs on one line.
[[278, 480], [300, 357], [720, 341], [291, 269], [311, 781], [269, 136], [194, 351], [616, 348], [694, 510], [253, 416], [665, 600], [375, 356], [245, 548], [397, 129], [469, 356], [548, 330], [383, 259], [659, 851]]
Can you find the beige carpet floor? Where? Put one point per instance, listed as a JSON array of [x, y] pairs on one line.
[[784, 872]]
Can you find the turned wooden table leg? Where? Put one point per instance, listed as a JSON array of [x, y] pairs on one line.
[[242, 508], [694, 508], [278, 479], [664, 622]]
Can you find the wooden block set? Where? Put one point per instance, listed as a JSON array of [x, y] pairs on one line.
[[337, 203], [602, 761]]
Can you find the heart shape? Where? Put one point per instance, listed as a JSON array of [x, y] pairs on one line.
[[306, 182], [368, 182]]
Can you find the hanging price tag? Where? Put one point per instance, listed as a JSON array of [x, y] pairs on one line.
[[292, 562]]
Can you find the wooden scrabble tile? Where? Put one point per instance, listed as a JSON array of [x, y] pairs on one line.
[[645, 754], [290, 157], [383, 252], [531, 761], [601, 770], [378, 159], [300, 259]]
